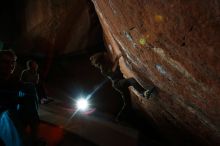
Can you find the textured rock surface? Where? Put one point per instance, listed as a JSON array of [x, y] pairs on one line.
[[53, 28], [175, 45], [58, 27]]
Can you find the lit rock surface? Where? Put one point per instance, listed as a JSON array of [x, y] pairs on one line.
[[175, 45]]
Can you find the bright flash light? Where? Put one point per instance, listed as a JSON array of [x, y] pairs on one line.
[[82, 104]]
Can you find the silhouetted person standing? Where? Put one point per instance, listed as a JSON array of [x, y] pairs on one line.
[[31, 75], [9, 100]]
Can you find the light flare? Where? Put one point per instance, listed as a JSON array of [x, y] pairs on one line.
[[82, 104]]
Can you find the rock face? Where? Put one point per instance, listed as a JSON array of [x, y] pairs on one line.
[[175, 45], [58, 27], [54, 28]]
